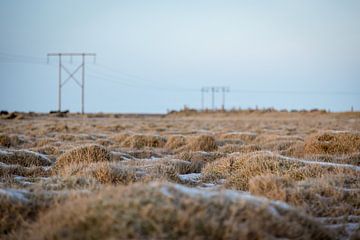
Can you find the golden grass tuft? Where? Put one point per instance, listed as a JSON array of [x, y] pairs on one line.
[[82, 154], [119, 138], [246, 137], [24, 158], [9, 141], [5, 140], [232, 148], [332, 143], [168, 211], [239, 169], [17, 170], [175, 142], [141, 141], [328, 196], [202, 143], [20, 206], [103, 172]]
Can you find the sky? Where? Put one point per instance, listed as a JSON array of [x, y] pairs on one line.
[[155, 56]]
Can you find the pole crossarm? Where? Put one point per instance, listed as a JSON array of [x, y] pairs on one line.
[[213, 90], [72, 74], [72, 54]]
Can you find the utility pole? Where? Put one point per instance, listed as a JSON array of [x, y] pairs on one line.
[[224, 90], [203, 90], [71, 74], [213, 98], [213, 90]]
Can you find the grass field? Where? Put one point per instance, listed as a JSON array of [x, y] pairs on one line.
[[187, 175]]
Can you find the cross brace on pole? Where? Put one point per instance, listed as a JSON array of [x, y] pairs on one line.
[[71, 75]]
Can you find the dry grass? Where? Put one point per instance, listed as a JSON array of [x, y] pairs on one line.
[[332, 143], [352, 158], [165, 211], [202, 143], [175, 142], [5, 140], [18, 207], [141, 141], [103, 172], [239, 169], [297, 158], [246, 137], [7, 171], [24, 158], [328, 196], [83, 154], [232, 148], [120, 138]]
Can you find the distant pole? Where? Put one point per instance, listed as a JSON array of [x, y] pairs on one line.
[[59, 99], [72, 73], [224, 91], [83, 84], [223, 98], [213, 98], [202, 99]]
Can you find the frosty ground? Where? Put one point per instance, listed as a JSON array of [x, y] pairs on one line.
[[210, 175]]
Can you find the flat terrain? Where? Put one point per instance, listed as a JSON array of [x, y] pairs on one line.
[[236, 175]]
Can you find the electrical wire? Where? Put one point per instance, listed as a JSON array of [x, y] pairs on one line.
[[105, 73]]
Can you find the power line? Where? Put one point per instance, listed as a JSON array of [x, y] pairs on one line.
[[136, 81], [250, 91], [148, 82]]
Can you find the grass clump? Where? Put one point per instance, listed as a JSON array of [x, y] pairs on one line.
[[141, 141], [24, 158], [237, 170], [175, 142], [246, 137], [5, 140], [202, 143], [328, 196], [18, 207], [103, 172], [17, 170], [232, 148], [332, 143], [83, 154], [170, 211]]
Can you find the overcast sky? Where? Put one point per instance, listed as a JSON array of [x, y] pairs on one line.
[[156, 55]]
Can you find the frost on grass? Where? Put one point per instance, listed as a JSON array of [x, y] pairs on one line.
[[333, 142], [170, 211], [238, 169], [83, 154], [24, 158]]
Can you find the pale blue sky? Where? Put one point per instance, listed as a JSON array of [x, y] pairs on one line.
[[283, 54]]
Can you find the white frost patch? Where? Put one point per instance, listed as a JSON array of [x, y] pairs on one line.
[[15, 194], [39, 155], [191, 177], [341, 131], [356, 168], [3, 152], [124, 156], [330, 220], [269, 153], [231, 195], [242, 133], [348, 227]]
